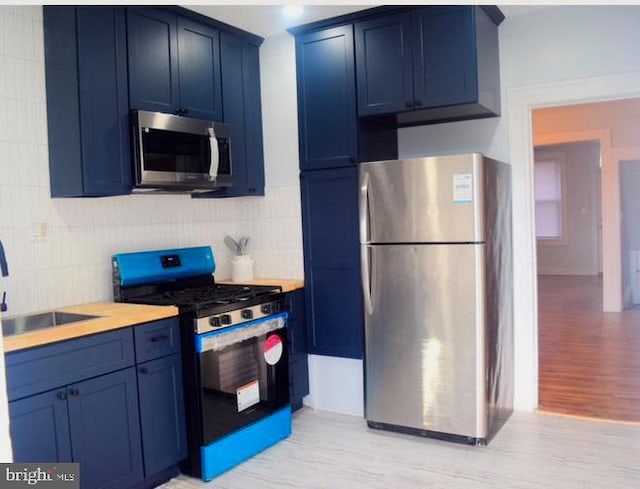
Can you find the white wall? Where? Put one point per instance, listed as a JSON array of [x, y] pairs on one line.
[[579, 255], [71, 263], [280, 110]]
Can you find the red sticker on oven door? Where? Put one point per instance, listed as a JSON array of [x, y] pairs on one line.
[[273, 349]]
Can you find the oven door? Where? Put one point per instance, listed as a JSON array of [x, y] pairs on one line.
[[244, 375]]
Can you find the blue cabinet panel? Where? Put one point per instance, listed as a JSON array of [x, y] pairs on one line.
[[87, 101], [332, 264], [327, 118], [101, 406], [330, 221], [43, 368], [174, 64], [298, 361], [429, 64], [157, 339], [104, 102], [105, 430], [199, 70], [40, 428], [153, 60], [336, 327], [445, 68], [162, 413], [242, 109], [384, 64]]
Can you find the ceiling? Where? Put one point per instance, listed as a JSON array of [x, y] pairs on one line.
[[267, 20]]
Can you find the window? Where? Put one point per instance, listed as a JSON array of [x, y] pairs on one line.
[[549, 180]]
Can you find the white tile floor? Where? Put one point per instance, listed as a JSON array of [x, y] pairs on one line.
[[533, 451]]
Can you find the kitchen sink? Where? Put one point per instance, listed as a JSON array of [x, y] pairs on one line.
[[41, 320]]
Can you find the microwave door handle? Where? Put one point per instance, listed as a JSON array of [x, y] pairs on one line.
[[215, 155]]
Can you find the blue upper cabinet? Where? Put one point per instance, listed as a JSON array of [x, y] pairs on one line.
[[87, 101], [384, 64], [430, 64], [153, 60], [327, 119], [174, 64], [199, 67], [242, 110], [444, 56]]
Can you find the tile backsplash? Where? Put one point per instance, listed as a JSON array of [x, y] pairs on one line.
[[59, 250]]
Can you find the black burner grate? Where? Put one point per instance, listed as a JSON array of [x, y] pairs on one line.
[[208, 297]]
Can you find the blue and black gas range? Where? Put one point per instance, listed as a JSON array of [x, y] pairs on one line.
[[234, 350]]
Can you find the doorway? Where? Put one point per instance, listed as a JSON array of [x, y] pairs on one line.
[[587, 358]]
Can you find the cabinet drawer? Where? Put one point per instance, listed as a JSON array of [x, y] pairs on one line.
[[157, 339], [47, 367]]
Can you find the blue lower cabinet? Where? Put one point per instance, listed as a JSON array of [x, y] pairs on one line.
[[162, 416], [298, 362], [94, 423], [40, 428], [116, 409], [105, 430]]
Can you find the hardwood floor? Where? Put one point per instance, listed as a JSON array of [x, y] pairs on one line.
[[589, 360], [532, 451]]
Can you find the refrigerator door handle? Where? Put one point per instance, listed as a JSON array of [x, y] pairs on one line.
[[364, 208], [365, 251], [365, 264]]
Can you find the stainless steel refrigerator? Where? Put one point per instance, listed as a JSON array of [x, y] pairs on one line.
[[435, 238]]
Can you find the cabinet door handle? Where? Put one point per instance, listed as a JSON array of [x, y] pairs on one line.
[[62, 396], [143, 370], [159, 337], [408, 104], [418, 103], [74, 392]]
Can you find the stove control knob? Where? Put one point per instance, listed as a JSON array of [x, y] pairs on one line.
[[226, 319], [266, 308], [247, 314], [215, 321]]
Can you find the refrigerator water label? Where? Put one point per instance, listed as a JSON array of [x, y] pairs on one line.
[[248, 395], [462, 188]]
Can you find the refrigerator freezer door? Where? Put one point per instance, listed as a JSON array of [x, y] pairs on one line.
[[424, 200], [424, 336]]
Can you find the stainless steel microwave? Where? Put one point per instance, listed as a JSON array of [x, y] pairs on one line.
[[179, 153]]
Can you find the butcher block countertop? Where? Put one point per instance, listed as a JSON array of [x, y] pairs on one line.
[[113, 315], [287, 285]]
